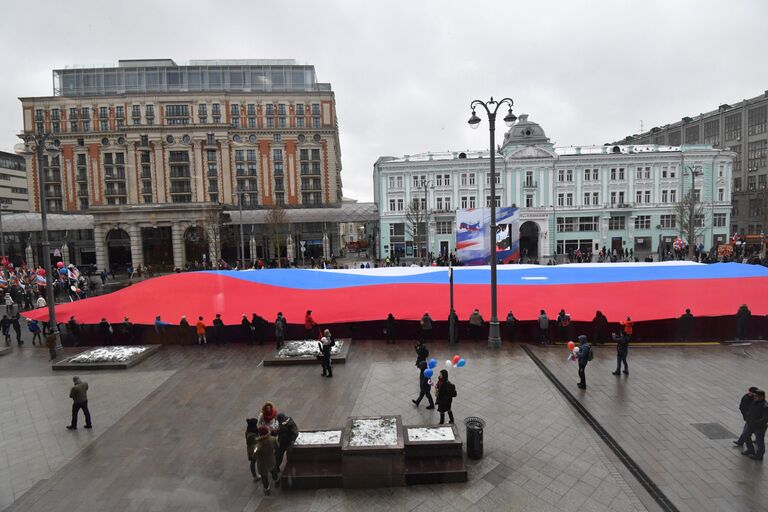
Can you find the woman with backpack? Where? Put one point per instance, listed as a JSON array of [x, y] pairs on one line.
[[444, 395]]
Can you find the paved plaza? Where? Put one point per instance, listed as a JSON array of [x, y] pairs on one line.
[[169, 432]]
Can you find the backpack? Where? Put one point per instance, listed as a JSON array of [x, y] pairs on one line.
[[591, 354]]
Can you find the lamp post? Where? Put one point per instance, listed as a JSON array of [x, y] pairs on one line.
[[240, 194], [491, 108], [45, 143], [693, 171], [426, 185], [2, 235]]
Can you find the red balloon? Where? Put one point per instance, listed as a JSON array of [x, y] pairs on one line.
[[571, 345], [456, 359], [60, 264]]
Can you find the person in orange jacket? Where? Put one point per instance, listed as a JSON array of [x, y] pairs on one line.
[[626, 328]]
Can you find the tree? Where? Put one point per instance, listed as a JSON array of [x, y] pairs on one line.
[[213, 227], [690, 219], [277, 224], [416, 223]]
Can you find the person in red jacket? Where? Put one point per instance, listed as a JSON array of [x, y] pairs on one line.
[[309, 326], [626, 328]]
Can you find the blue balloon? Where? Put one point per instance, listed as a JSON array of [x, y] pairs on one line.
[[428, 372], [63, 271], [461, 363], [432, 363]]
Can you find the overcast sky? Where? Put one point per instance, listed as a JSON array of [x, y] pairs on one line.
[[405, 72]]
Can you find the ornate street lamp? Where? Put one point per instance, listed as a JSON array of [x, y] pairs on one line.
[[491, 108]]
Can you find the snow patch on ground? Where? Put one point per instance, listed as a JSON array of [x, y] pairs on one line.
[[319, 437], [373, 432], [303, 348], [431, 434], [117, 354]]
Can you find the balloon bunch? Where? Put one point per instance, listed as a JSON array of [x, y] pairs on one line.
[[456, 362], [574, 352]]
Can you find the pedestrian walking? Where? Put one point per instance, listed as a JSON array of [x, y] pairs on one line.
[[218, 329], [16, 325], [50, 342], [422, 352], [309, 326], [453, 326], [200, 329], [584, 357], [686, 324], [476, 324], [426, 327], [79, 396], [5, 325], [40, 303], [627, 328], [34, 328], [511, 325], [251, 435], [74, 330], [444, 394], [247, 331], [543, 327], [280, 325], [389, 329], [742, 321], [599, 328], [622, 349], [744, 406], [326, 345], [8, 303], [263, 447], [105, 331], [425, 389], [287, 433], [757, 419]]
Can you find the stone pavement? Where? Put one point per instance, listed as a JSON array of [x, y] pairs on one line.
[[652, 412], [180, 444], [35, 407]]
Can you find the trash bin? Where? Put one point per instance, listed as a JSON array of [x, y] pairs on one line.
[[475, 428]]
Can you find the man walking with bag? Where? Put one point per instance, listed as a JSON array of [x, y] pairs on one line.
[[79, 396]]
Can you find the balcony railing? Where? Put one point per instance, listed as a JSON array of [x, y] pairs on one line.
[[530, 184]]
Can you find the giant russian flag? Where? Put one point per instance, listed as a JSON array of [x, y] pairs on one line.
[[645, 291]]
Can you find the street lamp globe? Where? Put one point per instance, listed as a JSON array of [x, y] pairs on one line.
[[474, 121], [510, 118]]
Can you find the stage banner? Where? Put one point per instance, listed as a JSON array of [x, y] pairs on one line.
[[473, 235]]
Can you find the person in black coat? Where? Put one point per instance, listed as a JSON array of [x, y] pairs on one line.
[[326, 345], [583, 358], [424, 387], [17, 328], [742, 321], [74, 330], [389, 327], [5, 325], [185, 331], [444, 396], [599, 328], [686, 324], [757, 420], [453, 326], [247, 330], [622, 349], [511, 321], [218, 329], [105, 330], [422, 353], [744, 406], [286, 436], [259, 326]]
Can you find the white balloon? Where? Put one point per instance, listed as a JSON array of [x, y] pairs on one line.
[[448, 363]]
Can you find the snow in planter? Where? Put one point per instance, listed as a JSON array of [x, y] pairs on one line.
[[373, 432], [319, 437], [305, 348], [118, 354], [431, 434]]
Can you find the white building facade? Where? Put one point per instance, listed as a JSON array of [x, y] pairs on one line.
[[617, 197], [13, 183]]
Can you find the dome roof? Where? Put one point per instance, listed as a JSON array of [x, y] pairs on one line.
[[525, 132]]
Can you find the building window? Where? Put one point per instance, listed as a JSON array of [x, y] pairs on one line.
[[617, 174], [643, 222], [692, 134], [391, 205], [673, 195], [719, 220], [181, 189], [712, 132], [589, 223], [471, 179], [488, 201], [175, 114], [488, 178], [529, 200], [444, 227], [756, 121], [463, 180], [566, 224], [761, 181], [595, 198], [438, 180], [756, 155], [586, 198], [751, 183], [674, 138], [721, 194], [737, 184], [668, 221], [447, 180], [733, 127], [664, 196], [400, 205], [615, 223]]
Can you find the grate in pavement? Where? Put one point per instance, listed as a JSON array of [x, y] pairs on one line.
[[217, 366], [714, 431]]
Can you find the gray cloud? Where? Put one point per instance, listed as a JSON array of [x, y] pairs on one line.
[[404, 72]]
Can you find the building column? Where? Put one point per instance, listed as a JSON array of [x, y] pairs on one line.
[[177, 237], [99, 238], [137, 247]]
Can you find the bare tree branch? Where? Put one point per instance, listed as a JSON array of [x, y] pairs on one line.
[[415, 218], [277, 220], [690, 219]]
